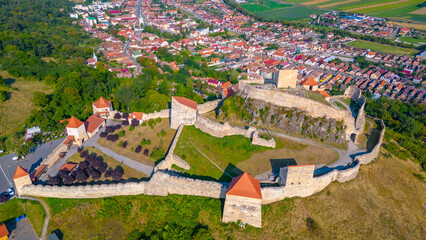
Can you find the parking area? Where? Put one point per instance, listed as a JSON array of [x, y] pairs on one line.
[[31, 162], [22, 230]]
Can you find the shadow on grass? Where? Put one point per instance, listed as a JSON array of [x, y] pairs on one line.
[[276, 164]]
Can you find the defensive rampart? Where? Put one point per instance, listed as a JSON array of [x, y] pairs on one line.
[[221, 130], [161, 114], [312, 108], [209, 106], [171, 159], [54, 156], [356, 96], [368, 157]]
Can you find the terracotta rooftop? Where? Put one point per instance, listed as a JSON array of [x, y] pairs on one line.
[[325, 94], [102, 103], [310, 82], [92, 123], [245, 186], [69, 139], [187, 102], [3, 231], [73, 122], [36, 173], [20, 172], [68, 167], [136, 115]]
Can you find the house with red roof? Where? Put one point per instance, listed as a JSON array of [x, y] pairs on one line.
[[136, 115], [243, 201], [310, 84], [184, 111], [102, 108]]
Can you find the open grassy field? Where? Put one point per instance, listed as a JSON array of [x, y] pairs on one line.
[[411, 25], [384, 201], [267, 5], [112, 163], [377, 47], [16, 207], [293, 13], [235, 154], [135, 137], [413, 40], [17, 108]]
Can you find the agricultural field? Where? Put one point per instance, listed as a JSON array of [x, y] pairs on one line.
[[396, 9], [413, 40], [258, 6], [377, 47], [235, 154], [385, 199], [276, 10]]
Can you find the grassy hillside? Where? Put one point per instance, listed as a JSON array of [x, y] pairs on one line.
[[386, 200]]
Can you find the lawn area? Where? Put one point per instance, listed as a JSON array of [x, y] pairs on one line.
[[377, 47], [317, 97], [17, 109], [16, 207], [135, 137], [413, 40], [235, 154], [368, 139], [112, 163], [385, 199]]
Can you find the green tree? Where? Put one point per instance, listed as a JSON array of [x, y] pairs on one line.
[[40, 99]]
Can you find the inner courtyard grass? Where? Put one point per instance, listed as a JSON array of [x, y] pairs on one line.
[[235, 154], [17, 207], [377, 47], [135, 137], [385, 199], [129, 172]]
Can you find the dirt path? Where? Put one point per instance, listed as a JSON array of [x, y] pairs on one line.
[[46, 220], [337, 3], [376, 5]]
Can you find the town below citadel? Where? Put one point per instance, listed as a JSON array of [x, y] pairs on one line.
[[174, 102]]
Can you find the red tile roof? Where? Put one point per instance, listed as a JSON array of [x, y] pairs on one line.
[[20, 172], [325, 94], [187, 102], [310, 82], [93, 123], [68, 140], [36, 173], [245, 186], [68, 167], [3, 230], [102, 103], [136, 115], [73, 122]]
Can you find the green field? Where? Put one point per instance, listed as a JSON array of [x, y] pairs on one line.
[[293, 13], [396, 9], [377, 47], [385, 199], [235, 154], [413, 40], [264, 6]]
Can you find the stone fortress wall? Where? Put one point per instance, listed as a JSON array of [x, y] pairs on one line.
[[313, 108], [355, 94], [163, 182]]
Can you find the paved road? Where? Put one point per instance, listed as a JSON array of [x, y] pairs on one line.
[[31, 162], [54, 169], [22, 230]]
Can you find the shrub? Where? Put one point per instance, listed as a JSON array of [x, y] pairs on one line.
[[122, 133], [146, 152], [265, 136], [4, 198], [124, 145], [102, 135], [95, 174], [120, 144], [163, 133], [83, 165], [144, 123], [125, 123], [132, 149], [135, 122], [53, 181], [151, 123], [62, 173], [157, 153], [102, 168], [117, 116], [108, 173], [113, 137], [131, 128], [118, 126], [110, 129], [145, 142], [158, 119], [138, 149], [79, 149], [117, 174], [125, 115], [68, 180], [84, 154]]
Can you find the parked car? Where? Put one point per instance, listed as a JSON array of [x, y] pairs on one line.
[[62, 154], [15, 158], [10, 192], [4, 197]]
